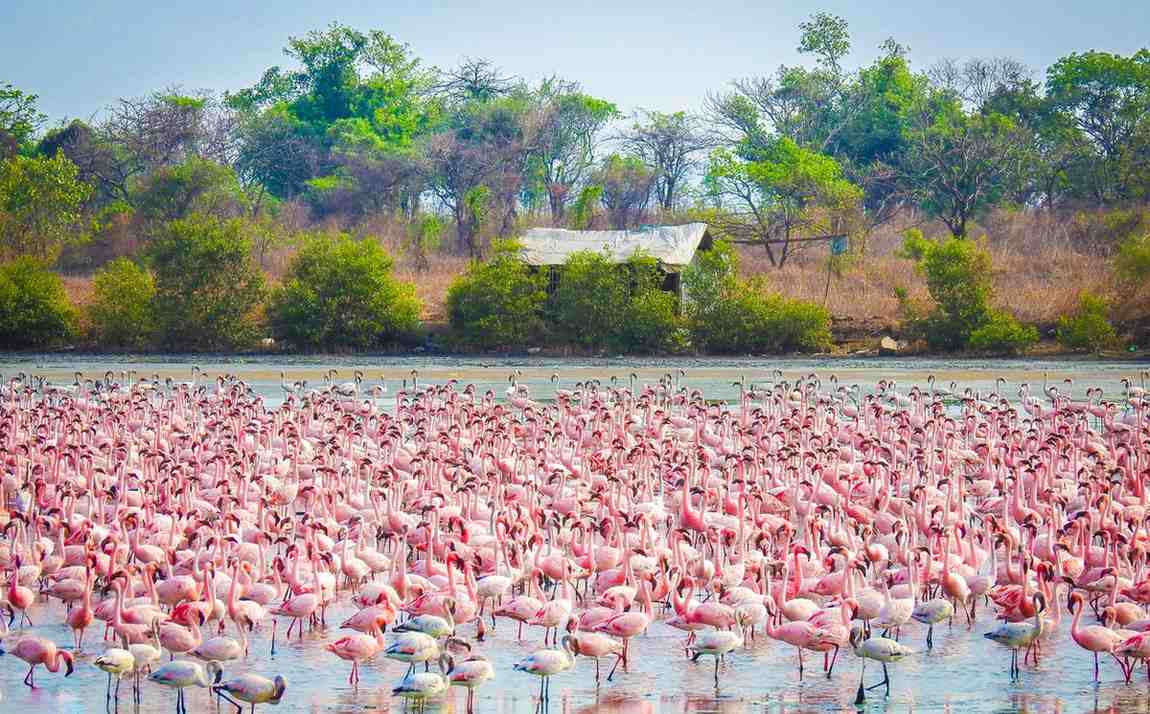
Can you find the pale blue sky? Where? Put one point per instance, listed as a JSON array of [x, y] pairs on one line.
[[81, 56]]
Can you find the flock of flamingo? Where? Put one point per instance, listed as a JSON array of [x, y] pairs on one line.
[[174, 520]]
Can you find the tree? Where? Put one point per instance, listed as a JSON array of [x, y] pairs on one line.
[[957, 164], [276, 154], [40, 205], [1107, 96], [826, 36], [567, 125], [475, 80], [207, 289], [34, 309], [339, 293], [787, 190], [477, 165], [626, 182], [671, 144], [19, 117], [195, 185], [121, 312], [100, 164]]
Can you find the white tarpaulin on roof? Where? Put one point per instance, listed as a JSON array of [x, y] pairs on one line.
[[672, 246]]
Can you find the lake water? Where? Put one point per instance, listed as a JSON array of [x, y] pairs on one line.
[[964, 673]]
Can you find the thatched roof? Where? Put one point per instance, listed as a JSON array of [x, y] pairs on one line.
[[672, 246]]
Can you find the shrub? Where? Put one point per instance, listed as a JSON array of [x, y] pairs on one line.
[[649, 322], [958, 278], [1089, 330], [496, 304], [339, 293], [750, 318], [1002, 334], [208, 291], [1133, 260], [34, 309], [797, 325], [591, 300], [120, 313]]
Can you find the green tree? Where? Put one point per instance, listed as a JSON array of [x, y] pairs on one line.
[[41, 199], [339, 294], [827, 37], [957, 164], [564, 150], [34, 309], [497, 304], [121, 312], [208, 291], [626, 182], [19, 118], [193, 186], [785, 191]]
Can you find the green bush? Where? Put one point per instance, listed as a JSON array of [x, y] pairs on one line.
[[34, 309], [649, 323], [1002, 334], [958, 278], [750, 318], [208, 291], [1133, 260], [591, 301], [727, 315], [1089, 330], [797, 326], [496, 304], [339, 294], [120, 314]]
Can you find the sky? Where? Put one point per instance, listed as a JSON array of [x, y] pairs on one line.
[[79, 57]]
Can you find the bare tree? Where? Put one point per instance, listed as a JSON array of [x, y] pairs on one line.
[[977, 80], [669, 143], [475, 79]]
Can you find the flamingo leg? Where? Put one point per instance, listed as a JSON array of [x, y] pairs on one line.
[[234, 703]]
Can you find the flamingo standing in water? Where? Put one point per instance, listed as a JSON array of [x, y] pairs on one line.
[[37, 651]]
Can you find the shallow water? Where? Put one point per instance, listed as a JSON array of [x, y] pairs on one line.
[[963, 673]]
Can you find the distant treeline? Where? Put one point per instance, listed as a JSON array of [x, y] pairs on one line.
[[249, 199]]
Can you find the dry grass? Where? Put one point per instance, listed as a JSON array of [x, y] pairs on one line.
[[1037, 274], [1041, 264]]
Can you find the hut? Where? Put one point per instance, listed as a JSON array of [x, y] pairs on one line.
[[673, 247]]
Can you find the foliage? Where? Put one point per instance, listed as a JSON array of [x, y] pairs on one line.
[[339, 294], [671, 144], [728, 315], [626, 182], [208, 290], [1133, 261], [650, 322], [121, 312], [568, 123], [784, 190], [591, 300], [19, 118], [583, 209], [1003, 335], [497, 304], [957, 164], [34, 309], [958, 279], [748, 318], [1089, 329], [40, 205], [193, 186]]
